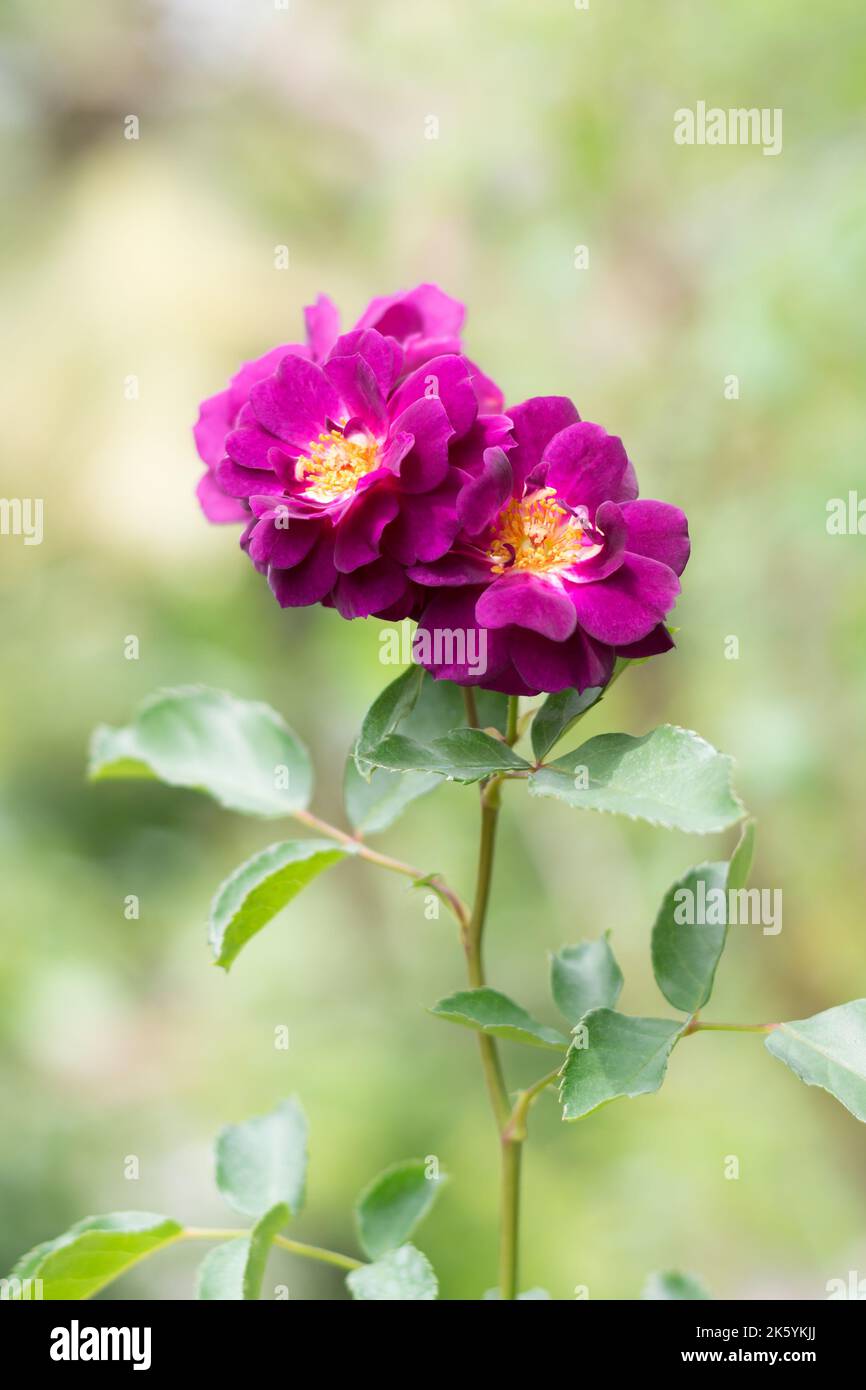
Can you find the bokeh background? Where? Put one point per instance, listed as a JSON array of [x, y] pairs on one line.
[[306, 127]]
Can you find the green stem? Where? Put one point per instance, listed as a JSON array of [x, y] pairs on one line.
[[513, 1138], [512, 1152], [384, 861], [472, 943], [315, 1252], [511, 733], [696, 1027], [510, 1140], [297, 1247], [211, 1233], [470, 706], [516, 1127]]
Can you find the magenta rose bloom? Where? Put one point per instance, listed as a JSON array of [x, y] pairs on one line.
[[425, 322], [557, 563], [352, 472]]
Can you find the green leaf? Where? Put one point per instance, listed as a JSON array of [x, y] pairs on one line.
[[622, 1056], [261, 888], [237, 751], [423, 710], [261, 1240], [670, 777], [402, 1275], [560, 712], [95, 1251], [828, 1050], [585, 977], [685, 949], [263, 1162], [373, 806], [491, 1012], [26, 1266], [740, 864], [235, 1271], [221, 1272], [691, 928], [670, 1284], [418, 725], [465, 755], [390, 1208], [440, 708], [557, 715], [396, 701]]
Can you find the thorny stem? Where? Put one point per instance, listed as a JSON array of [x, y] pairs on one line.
[[384, 861], [511, 1123], [296, 1247]]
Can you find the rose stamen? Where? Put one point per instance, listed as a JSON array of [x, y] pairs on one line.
[[335, 464], [538, 534]]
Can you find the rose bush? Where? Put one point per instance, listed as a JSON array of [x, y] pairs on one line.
[[376, 473]]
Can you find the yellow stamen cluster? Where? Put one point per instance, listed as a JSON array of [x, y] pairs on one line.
[[536, 534], [336, 464]]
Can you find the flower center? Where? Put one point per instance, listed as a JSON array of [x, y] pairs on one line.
[[335, 464], [538, 534]]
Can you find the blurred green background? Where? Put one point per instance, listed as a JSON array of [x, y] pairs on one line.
[[305, 126]]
